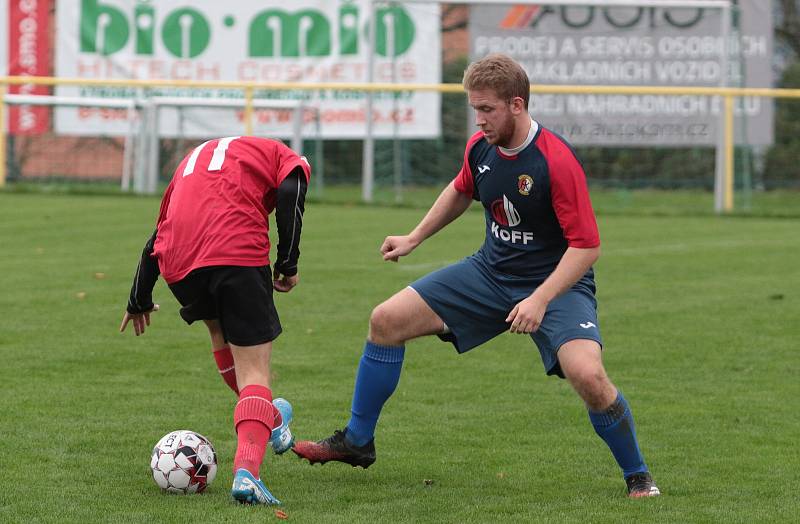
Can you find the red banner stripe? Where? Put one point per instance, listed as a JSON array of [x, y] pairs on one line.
[[29, 55]]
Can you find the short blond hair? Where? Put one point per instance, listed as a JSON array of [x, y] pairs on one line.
[[501, 74]]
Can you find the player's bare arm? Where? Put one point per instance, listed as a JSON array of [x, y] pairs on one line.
[[527, 315], [140, 301], [289, 208], [448, 206]]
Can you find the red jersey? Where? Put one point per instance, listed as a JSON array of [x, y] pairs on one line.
[[214, 211]]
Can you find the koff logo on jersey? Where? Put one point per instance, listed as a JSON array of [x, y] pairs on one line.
[[504, 213]]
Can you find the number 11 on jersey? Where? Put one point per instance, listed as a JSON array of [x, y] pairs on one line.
[[216, 159]]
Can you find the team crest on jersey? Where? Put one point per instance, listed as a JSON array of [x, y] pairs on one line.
[[525, 185]]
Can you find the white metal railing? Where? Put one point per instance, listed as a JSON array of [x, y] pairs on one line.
[[142, 115], [128, 105]]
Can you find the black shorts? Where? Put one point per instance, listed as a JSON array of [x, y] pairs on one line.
[[239, 297]]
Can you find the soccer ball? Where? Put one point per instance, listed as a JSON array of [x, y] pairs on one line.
[[183, 462]]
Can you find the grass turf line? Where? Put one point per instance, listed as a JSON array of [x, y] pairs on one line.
[[698, 316]]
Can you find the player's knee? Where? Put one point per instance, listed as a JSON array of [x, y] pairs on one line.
[[595, 381], [382, 323], [214, 327], [593, 386]]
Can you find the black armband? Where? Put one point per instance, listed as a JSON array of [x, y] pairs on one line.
[[141, 298], [289, 208]]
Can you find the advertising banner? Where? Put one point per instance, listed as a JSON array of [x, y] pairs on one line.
[[28, 55], [265, 41], [4, 30], [637, 46]]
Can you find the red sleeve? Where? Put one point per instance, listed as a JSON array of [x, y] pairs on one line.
[[464, 181], [287, 161], [569, 192]]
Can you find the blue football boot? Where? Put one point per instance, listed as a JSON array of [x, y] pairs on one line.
[[250, 490], [282, 439]]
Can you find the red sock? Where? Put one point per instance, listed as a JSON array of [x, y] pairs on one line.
[[253, 419], [224, 360]]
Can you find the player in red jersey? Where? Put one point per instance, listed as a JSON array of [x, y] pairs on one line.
[[532, 276], [211, 245]]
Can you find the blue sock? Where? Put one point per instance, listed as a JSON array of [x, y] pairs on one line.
[[377, 378], [615, 427]]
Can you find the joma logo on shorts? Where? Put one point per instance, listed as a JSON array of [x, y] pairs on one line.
[[511, 236]]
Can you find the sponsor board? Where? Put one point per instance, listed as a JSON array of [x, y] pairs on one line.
[[269, 41], [3, 40], [636, 46], [27, 54]]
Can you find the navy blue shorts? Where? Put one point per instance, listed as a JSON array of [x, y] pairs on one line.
[[474, 302]]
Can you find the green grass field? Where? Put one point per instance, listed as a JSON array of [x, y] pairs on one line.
[[699, 316]]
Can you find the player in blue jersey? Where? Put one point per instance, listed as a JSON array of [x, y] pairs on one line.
[[532, 276]]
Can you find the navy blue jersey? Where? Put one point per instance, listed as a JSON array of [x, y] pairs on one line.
[[536, 203]]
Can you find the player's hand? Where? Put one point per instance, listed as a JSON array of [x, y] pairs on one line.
[[283, 283], [527, 315], [395, 247], [139, 320]]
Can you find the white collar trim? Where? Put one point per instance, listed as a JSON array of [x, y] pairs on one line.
[[531, 134]]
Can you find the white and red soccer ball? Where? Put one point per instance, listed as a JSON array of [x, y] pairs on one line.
[[183, 462]]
